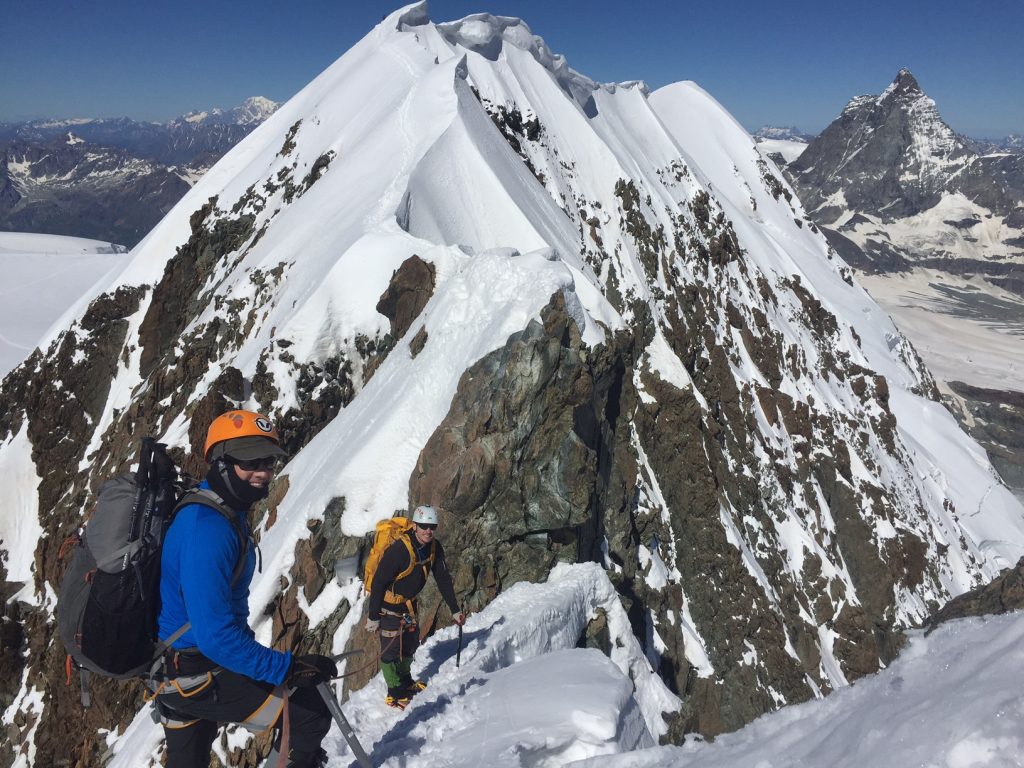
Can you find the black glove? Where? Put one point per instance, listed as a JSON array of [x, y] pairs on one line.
[[310, 670]]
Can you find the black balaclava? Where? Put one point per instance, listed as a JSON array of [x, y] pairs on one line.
[[237, 493]]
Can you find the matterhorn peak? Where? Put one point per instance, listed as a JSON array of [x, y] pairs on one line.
[[905, 84]]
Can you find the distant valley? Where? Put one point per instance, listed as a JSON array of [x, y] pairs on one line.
[[111, 179]]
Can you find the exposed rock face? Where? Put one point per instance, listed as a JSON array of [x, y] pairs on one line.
[[893, 155], [894, 188], [515, 462], [550, 453], [1002, 595]]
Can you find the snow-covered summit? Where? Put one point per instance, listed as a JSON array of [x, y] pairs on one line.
[[250, 112], [486, 35]]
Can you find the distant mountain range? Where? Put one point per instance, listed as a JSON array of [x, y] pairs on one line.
[[193, 138], [1014, 143], [111, 179], [786, 133]]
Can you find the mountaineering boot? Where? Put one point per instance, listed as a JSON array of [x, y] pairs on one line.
[[412, 687], [397, 697]]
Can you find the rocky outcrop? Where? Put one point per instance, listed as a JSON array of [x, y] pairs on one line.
[[407, 294], [514, 464], [551, 453], [1004, 594]]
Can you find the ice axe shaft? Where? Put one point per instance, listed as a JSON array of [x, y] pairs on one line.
[[344, 726], [346, 654], [458, 653]]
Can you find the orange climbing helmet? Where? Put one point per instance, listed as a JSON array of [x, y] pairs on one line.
[[242, 435]]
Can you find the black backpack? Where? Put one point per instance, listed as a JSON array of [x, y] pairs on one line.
[[109, 599]]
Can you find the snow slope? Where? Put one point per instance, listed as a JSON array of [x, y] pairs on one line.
[[951, 700], [43, 276], [499, 707], [716, 142]]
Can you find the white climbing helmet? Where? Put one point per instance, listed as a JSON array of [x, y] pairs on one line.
[[425, 515]]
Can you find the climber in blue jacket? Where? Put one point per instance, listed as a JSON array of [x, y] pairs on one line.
[[214, 669]]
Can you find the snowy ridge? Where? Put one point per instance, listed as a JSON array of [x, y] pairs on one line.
[[499, 703]]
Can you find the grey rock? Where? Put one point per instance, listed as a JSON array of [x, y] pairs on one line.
[[1004, 594]]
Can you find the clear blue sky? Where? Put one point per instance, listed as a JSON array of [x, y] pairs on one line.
[[793, 62]]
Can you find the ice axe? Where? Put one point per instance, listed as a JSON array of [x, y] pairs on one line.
[[346, 654], [344, 726], [458, 653]]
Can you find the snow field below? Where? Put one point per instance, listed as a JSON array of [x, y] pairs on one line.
[[983, 352], [951, 700], [43, 276]]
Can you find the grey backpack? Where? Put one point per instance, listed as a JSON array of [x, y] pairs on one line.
[[109, 599]]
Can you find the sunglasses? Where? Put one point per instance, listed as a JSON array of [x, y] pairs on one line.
[[254, 465], [427, 526]]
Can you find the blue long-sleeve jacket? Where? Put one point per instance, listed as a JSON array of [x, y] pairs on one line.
[[200, 553]]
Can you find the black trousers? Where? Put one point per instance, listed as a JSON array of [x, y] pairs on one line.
[[232, 698]]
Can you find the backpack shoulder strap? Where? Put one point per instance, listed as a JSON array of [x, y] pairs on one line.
[[412, 557], [209, 498]]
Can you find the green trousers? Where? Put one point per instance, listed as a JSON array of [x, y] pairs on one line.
[[397, 673]]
